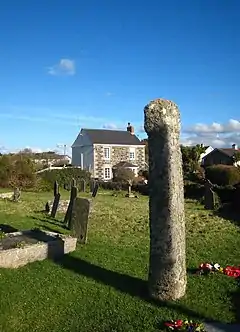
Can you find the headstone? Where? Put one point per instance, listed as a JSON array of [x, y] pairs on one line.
[[79, 220], [47, 207], [16, 195], [68, 214], [55, 205], [92, 185], [73, 183], [167, 264], [82, 185], [95, 190], [209, 197], [55, 189]]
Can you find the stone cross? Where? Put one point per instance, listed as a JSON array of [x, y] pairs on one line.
[[167, 264]]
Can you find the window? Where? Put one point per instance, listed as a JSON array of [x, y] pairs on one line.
[[132, 154], [107, 173], [106, 153]]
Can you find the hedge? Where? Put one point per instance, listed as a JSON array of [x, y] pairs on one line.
[[64, 176], [223, 175]]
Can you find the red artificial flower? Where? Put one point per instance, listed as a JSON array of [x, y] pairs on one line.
[[174, 325], [232, 271]]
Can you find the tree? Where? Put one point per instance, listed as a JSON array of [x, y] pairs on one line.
[[123, 175]]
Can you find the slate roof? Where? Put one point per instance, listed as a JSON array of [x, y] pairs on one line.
[[229, 152], [104, 136]]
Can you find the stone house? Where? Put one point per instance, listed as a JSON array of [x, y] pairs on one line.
[[222, 156], [100, 150]]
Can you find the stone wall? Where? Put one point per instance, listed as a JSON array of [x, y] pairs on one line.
[[117, 154]]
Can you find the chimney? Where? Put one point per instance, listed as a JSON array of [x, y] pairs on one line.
[[130, 128], [235, 147]]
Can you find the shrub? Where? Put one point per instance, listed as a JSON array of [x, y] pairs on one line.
[[64, 176], [123, 175], [223, 175]]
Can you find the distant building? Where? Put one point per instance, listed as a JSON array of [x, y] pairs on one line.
[[221, 157], [100, 151]]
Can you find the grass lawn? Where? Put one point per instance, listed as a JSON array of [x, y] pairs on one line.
[[101, 286]]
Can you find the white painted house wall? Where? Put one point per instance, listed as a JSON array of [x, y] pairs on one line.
[[82, 152], [207, 151]]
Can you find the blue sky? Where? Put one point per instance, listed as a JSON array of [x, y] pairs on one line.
[[97, 63]]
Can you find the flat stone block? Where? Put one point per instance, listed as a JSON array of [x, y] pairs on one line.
[[20, 248]]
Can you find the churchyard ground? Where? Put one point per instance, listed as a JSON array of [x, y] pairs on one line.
[[102, 285]]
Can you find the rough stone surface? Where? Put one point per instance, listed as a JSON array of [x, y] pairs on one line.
[[55, 205], [17, 257], [79, 220], [167, 266]]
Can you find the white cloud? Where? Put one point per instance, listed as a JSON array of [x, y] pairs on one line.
[[218, 135], [65, 67]]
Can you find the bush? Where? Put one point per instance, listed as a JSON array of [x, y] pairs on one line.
[[64, 176], [223, 175], [123, 175]]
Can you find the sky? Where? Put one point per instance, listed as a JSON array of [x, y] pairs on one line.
[[67, 65]]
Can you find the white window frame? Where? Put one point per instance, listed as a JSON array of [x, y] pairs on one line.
[[106, 155], [108, 177], [132, 154]]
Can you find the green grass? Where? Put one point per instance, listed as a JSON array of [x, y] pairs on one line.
[[100, 287]]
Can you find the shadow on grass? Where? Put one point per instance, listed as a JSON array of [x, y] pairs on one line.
[[124, 283], [8, 229], [227, 212], [51, 221]]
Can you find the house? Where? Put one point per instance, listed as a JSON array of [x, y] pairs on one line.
[[207, 150], [54, 159], [222, 156], [100, 151]]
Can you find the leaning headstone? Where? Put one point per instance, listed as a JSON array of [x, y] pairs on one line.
[[167, 264], [95, 190], [73, 183], [55, 189], [209, 197], [79, 219], [92, 185], [82, 185], [55, 205], [16, 195], [68, 214]]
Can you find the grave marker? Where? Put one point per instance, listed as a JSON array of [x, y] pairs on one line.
[[79, 220], [55, 189], [68, 215], [55, 205], [95, 190]]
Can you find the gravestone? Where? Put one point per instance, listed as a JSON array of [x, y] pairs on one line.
[[55, 205], [79, 220], [92, 185], [16, 195], [68, 214], [55, 189], [82, 185], [209, 197], [95, 190], [73, 183], [167, 275]]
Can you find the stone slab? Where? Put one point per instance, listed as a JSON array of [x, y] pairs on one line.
[[17, 257], [219, 327], [79, 221]]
